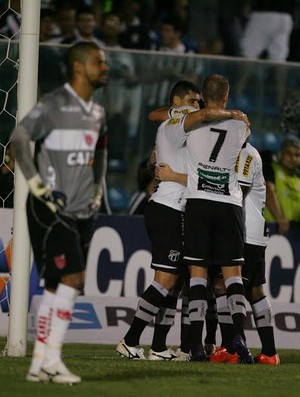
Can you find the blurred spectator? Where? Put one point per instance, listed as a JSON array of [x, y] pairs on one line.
[[232, 19], [51, 68], [268, 29], [179, 10], [166, 9], [7, 166], [110, 30], [166, 70], [216, 26], [86, 24], [66, 20], [203, 26], [170, 37], [99, 8], [269, 40], [123, 113], [134, 34], [290, 111], [48, 5], [48, 26], [145, 184], [283, 186]]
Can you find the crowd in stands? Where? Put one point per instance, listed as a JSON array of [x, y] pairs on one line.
[[215, 27], [218, 27]]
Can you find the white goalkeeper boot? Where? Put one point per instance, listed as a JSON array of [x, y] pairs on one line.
[[58, 373], [32, 377]]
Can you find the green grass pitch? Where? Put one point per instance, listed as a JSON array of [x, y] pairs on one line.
[[105, 374]]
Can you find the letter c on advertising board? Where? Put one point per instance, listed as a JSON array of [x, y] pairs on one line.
[[279, 246], [107, 238], [103, 238]]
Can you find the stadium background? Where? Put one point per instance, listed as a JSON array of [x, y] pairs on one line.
[[118, 267]]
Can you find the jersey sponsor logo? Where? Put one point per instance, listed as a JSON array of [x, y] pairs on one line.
[[213, 167], [174, 255], [173, 121], [214, 177], [213, 182], [237, 164], [211, 188], [70, 109], [80, 158], [247, 165], [183, 111]]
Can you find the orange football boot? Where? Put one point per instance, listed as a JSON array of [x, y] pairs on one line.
[[222, 356], [263, 359]]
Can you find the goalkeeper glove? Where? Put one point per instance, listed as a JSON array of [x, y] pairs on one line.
[[53, 200], [96, 201]]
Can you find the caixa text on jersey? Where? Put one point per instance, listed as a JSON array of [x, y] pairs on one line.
[[80, 158]]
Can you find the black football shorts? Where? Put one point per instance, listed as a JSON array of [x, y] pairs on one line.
[[60, 244], [164, 226]]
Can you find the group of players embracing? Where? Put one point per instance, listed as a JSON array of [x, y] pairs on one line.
[[207, 230]]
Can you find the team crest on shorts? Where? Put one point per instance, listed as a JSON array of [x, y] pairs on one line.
[[174, 255], [60, 261]]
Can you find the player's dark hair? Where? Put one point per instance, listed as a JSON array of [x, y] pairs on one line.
[[183, 88], [215, 87], [79, 53]]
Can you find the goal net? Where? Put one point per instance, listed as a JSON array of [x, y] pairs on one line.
[[10, 20], [19, 46]]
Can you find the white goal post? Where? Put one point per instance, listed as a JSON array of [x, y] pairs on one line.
[[27, 96]]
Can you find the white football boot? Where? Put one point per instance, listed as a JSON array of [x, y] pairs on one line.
[[166, 355], [133, 353], [58, 373], [181, 356]]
